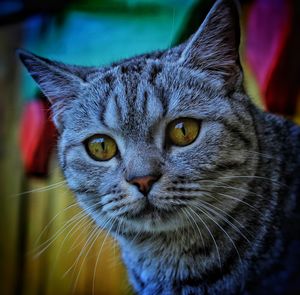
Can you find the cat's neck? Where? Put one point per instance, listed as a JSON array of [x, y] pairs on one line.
[[158, 264]]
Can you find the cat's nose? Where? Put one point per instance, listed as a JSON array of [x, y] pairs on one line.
[[144, 183]]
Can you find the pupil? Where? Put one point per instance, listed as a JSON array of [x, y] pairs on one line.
[[181, 127], [183, 130]]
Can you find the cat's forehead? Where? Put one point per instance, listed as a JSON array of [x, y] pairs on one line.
[[132, 101], [130, 98], [152, 76]]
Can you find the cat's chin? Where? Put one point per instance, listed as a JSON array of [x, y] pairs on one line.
[[153, 219]]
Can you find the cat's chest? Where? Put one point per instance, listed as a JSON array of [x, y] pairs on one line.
[[163, 266]]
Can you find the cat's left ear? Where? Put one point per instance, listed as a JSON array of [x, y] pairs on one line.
[[215, 46]]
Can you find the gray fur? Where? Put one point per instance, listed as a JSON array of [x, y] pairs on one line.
[[217, 220]]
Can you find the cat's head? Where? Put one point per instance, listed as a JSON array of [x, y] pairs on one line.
[[144, 142]]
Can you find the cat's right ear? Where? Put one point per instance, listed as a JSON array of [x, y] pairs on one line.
[[59, 82]]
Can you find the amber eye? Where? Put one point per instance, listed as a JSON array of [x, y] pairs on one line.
[[101, 147], [183, 131]]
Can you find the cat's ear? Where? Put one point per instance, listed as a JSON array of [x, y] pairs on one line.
[[215, 46], [59, 82]]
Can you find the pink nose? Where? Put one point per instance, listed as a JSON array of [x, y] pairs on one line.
[[144, 183]]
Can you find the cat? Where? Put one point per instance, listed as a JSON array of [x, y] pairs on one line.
[[167, 152]]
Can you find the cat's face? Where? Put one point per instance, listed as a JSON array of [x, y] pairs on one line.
[[143, 140], [136, 110]]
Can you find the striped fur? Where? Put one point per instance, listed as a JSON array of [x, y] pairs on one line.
[[220, 220]]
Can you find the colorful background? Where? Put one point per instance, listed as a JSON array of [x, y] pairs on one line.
[[47, 246]]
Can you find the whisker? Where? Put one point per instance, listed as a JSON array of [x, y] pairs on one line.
[[69, 235], [252, 208], [192, 219], [210, 233], [239, 200], [98, 256], [230, 197], [74, 219], [52, 220], [254, 177], [224, 185], [92, 237], [117, 233], [75, 244], [210, 194], [42, 189], [135, 237], [219, 226], [45, 245], [206, 206], [217, 184], [266, 156]]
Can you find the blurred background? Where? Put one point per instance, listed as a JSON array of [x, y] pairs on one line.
[[47, 245]]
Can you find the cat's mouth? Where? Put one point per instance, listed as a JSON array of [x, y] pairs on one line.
[[151, 218], [149, 211]]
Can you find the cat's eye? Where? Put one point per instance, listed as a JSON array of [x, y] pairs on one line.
[[183, 131], [101, 147]]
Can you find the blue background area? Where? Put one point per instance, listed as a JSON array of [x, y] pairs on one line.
[[94, 34]]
